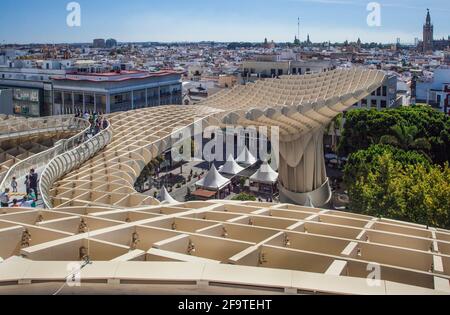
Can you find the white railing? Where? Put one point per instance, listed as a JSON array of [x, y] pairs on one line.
[[70, 160], [23, 127], [36, 161]]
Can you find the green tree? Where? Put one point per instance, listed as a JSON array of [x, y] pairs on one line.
[[405, 137], [417, 193], [361, 163], [335, 126], [431, 132], [244, 197]]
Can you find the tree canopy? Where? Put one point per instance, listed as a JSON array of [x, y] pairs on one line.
[[362, 162], [244, 197], [419, 128], [387, 182]]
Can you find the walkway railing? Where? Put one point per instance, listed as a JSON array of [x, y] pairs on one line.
[[39, 160], [32, 126], [71, 160]]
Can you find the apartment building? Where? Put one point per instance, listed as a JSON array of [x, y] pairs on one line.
[[435, 91], [384, 97]]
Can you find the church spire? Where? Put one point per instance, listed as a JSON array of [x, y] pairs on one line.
[[428, 17]]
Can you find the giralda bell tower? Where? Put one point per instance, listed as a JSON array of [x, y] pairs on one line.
[[428, 34]]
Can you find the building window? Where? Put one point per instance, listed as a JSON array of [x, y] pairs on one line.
[[294, 70], [384, 90], [280, 71], [383, 104]]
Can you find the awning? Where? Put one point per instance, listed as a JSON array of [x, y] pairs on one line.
[[213, 181], [246, 158], [165, 197], [265, 175], [204, 194], [231, 167]]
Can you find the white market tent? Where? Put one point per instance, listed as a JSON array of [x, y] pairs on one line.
[[246, 157], [265, 175], [165, 197], [213, 180], [231, 167]]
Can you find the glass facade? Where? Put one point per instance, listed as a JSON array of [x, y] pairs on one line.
[[100, 103], [153, 97], [89, 103], [78, 102], [71, 102], [121, 102], [139, 99], [68, 102], [26, 102]]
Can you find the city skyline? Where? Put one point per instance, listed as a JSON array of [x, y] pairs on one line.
[[151, 21]]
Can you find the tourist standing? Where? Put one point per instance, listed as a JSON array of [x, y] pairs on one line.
[[33, 181], [14, 185], [27, 184]]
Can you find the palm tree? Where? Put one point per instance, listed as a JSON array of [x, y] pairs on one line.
[[405, 137], [335, 126]]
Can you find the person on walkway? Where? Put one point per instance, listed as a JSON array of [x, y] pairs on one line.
[[14, 185], [27, 202], [4, 198], [27, 184], [15, 204], [33, 180], [32, 195], [97, 127], [105, 124]]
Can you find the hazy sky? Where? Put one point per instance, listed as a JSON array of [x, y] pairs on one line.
[[25, 21]]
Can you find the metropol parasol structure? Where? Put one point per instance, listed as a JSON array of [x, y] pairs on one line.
[[91, 212]]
